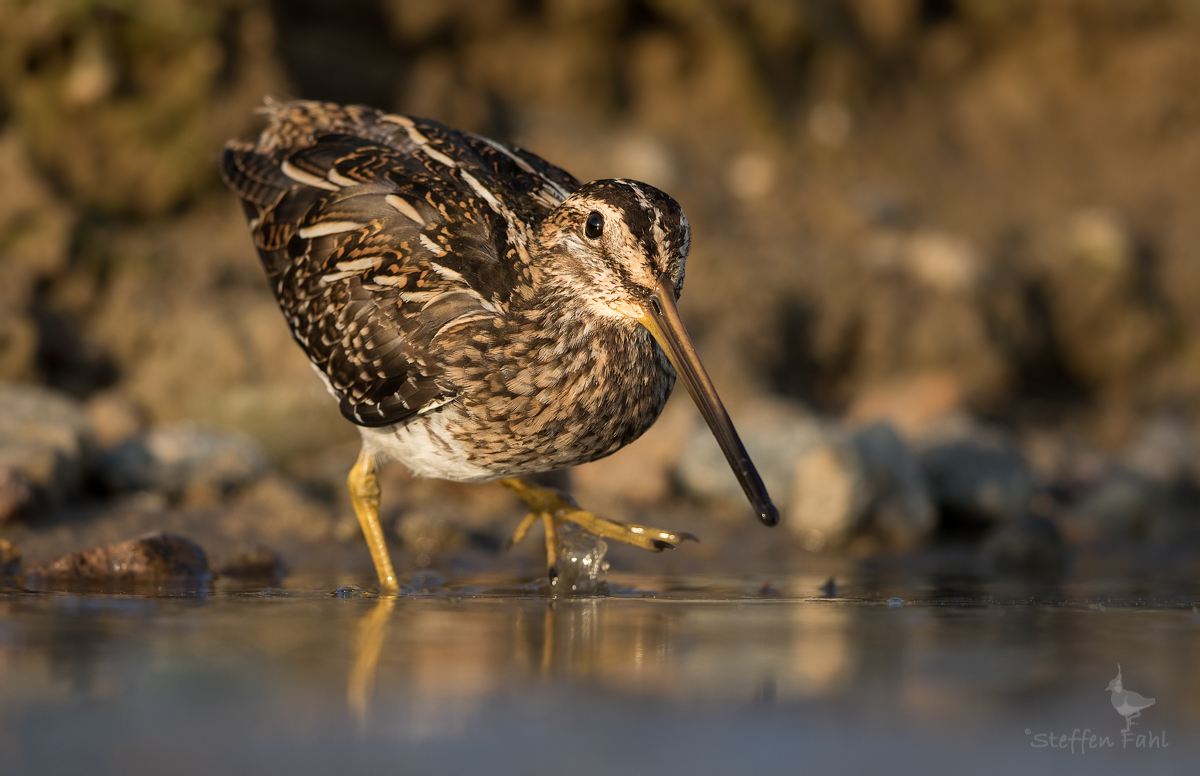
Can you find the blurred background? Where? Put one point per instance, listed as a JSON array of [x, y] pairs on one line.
[[945, 267]]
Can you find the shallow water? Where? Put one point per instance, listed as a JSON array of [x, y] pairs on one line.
[[664, 676]]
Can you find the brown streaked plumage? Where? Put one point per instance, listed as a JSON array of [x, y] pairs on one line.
[[476, 311]]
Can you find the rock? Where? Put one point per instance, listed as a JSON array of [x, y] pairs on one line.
[[183, 458], [828, 495], [1027, 544], [1121, 506], [253, 563], [155, 556], [861, 483], [1164, 449], [978, 481], [901, 511], [45, 437], [775, 432], [10, 559]]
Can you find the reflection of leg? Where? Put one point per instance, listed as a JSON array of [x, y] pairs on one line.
[[366, 657], [547, 640], [555, 508], [364, 494]]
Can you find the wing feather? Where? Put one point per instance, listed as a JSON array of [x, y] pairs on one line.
[[384, 236]]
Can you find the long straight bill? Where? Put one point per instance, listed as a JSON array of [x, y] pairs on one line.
[[662, 320]]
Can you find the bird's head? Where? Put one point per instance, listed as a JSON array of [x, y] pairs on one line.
[[1115, 684], [617, 242], [619, 248]]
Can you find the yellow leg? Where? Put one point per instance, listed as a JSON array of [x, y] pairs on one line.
[[364, 494], [554, 508]]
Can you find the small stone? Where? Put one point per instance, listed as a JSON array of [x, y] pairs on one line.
[[901, 513], [895, 602], [776, 434], [1121, 506], [978, 481], [830, 589], [828, 496], [10, 558], [349, 591], [44, 436], [155, 556], [853, 485], [1164, 449]]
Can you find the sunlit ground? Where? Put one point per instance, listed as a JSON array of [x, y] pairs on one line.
[[664, 675]]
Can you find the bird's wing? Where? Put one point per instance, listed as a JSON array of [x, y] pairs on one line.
[[380, 234], [1137, 701]]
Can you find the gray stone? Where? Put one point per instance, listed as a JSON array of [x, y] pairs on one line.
[[901, 510], [183, 458], [829, 493], [775, 433], [1163, 449], [864, 483], [978, 480], [1122, 505], [45, 438]]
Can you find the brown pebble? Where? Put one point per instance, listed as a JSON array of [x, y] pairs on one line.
[[10, 558], [154, 556]]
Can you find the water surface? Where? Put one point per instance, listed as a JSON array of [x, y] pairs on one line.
[[664, 676]]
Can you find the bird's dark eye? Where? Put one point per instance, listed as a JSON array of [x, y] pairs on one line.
[[595, 225]]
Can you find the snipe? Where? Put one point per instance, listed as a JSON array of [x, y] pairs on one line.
[[476, 311]]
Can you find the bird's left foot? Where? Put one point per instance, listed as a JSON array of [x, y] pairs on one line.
[[554, 508]]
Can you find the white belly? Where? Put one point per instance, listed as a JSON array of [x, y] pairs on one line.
[[425, 447]]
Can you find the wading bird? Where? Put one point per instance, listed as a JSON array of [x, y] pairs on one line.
[[476, 311]]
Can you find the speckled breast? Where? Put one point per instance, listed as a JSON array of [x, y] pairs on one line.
[[534, 403]]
